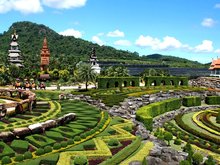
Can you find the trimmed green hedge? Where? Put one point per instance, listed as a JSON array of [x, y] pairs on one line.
[[20, 145], [6, 150], [124, 153], [192, 101], [212, 100], [159, 80], [39, 140], [146, 113], [114, 82]]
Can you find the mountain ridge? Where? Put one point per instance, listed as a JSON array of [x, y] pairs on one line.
[[67, 50]]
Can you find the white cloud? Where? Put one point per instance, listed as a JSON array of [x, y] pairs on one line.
[[36, 6], [23, 6], [205, 47], [217, 5], [156, 44], [97, 40], [64, 4], [122, 43], [217, 51], [208, 22], [71, 32], [116, 33]]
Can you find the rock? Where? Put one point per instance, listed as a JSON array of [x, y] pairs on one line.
[[36, 128], [21, 132], [153, 160], [135, 163], [49, 124], [7, 136]]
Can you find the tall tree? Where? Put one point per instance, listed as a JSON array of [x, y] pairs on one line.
[[86, 73]]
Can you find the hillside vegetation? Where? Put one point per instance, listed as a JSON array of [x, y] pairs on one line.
[[66, 51]]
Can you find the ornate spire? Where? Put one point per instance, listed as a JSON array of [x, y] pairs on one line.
[[45, 43]]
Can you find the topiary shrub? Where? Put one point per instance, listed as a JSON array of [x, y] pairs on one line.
[[80, 160], [83, 136], [191, 101], [47, 149], [184, 162], [19, 158], [168, 136], [70, 141], [177, 141], [40, 151], [57, 146], [197, 158], [28, 155], [77, 138], [210, 161], [212, 100], [63, 144], [6, 160], [113, 142]]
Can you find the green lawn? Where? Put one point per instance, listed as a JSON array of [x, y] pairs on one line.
[[187, 119]]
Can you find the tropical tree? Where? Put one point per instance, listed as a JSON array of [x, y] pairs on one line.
[[64, 74], [116, 71], [86, 73]]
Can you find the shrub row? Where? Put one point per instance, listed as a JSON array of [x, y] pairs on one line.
[[191, 138], [113, 82], [145, 114], [212, 100], [191, 101], [180, 123], [206, 121], [124, 153], [162, 80]]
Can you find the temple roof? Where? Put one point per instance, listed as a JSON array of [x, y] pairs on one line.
[[215, 64]]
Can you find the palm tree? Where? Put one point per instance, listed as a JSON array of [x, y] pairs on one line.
[[86, 73]]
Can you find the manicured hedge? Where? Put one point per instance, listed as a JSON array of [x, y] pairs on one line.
[[40, 140], [20, 145], [113, 82], [147, 113], [191, 101], [124, 153], [6, 150], [212, 100], [159, 80]]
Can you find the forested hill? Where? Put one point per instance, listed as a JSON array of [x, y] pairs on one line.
[[67, 50]]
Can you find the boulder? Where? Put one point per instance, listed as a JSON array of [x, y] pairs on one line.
[[21, 132], [36, 128], [49, 124], [7, 136]]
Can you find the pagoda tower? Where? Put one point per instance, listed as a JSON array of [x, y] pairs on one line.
[[45, 56], [45, 60], [93, 60], [14, 56]]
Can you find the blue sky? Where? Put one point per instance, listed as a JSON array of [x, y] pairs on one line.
[[183, 28]]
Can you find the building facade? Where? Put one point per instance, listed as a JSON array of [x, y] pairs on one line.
[[215, 68]]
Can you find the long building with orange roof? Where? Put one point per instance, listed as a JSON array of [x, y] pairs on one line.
[[215, 68]]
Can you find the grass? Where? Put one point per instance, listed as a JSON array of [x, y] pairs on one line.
[[187, 119]]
